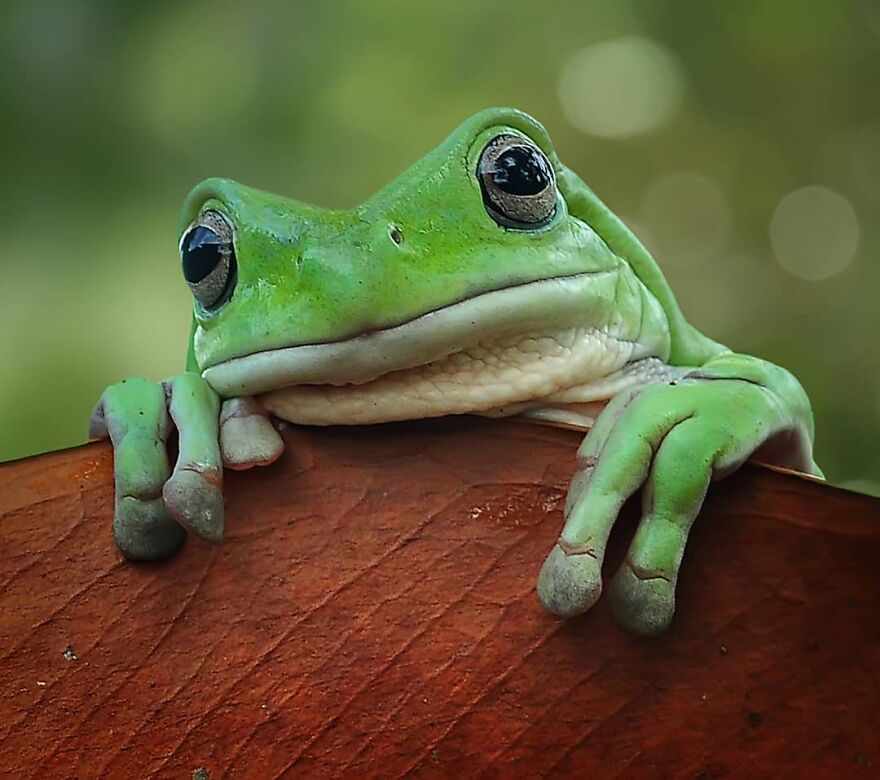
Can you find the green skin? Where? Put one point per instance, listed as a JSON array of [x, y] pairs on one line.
[[425, 243]]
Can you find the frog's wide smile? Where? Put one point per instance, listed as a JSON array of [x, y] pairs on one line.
[[536, 307]]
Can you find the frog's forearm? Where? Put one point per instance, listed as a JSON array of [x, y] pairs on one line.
[[137, 416], [673, 438]]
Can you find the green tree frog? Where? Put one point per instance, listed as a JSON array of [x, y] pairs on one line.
[[487, 279]]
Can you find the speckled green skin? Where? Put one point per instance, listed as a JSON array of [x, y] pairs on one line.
[[310, 276]]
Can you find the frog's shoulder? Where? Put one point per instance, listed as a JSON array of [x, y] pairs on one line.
[[688, 345]]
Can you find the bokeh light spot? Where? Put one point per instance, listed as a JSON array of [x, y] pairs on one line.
[[621, 88], [814, 232]]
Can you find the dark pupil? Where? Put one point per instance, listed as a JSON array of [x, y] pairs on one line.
[[520, 170], [200, 253]]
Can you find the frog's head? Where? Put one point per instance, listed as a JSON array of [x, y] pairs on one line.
[[476, 243]]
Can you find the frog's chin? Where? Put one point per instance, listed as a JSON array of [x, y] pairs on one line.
[[509, 316]]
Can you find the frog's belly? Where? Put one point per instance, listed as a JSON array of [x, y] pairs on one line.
[[520, 375]]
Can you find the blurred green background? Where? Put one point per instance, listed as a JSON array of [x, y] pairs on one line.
[[741, 141]]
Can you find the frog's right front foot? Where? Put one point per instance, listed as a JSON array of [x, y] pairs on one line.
[[154, 504]]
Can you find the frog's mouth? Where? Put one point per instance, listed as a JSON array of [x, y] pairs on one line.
[[495, 350]]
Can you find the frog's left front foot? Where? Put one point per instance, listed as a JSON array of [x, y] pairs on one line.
[[153, 503], [675, 438]]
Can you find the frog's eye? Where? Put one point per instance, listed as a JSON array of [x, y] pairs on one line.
[[517, 182], [208, 259]]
